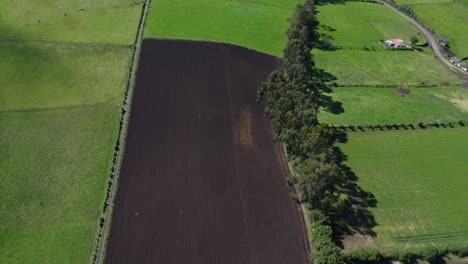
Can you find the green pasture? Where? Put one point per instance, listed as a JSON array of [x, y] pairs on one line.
[[355, 26], [449, 20], [419, 179], [413, 2], [63, 75], [367, 106], [109, 21], [54, 168], [360, 67], [44, 75], [259, 24]]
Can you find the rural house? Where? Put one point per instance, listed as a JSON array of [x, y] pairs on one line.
[[395, 43]]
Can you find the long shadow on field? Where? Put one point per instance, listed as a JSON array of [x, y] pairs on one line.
[[353, 215], [326, 2], [327, 102]]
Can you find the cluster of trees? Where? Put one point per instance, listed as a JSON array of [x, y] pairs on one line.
[[293, 97]]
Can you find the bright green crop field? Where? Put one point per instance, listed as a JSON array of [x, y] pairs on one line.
[[64, 69], [419, 179], [365, 106], [355, 25], [259, 24]]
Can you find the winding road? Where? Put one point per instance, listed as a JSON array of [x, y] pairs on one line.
[[433, 43]]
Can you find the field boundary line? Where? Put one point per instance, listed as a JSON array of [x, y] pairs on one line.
[[71, 43], [44, 109], [105, 222]]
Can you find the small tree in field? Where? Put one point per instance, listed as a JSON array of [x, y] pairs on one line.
[[414, 40]]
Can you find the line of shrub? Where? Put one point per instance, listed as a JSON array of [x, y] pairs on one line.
[[115, 168], [120, 142], [418, 85], [398, 126]]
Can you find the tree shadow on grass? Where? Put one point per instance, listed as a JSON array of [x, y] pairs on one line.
[[353, 215], [326, 101]]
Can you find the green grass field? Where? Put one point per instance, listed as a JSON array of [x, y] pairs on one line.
[[259, 24], [44, 75], [448, 20], [419, 179], [354, 25], [358, 24], [364, 106], [359, 67], [62, 86], [109, 21], [54, 167]]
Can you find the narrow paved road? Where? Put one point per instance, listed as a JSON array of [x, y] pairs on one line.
[[433, 43]]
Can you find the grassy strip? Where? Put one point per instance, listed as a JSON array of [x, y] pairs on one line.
[[372, 106], [105, 220]]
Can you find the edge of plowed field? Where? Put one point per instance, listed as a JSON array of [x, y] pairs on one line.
[[102, 234], [300, 231]]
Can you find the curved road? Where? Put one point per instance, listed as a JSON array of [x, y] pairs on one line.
[[433, 43]]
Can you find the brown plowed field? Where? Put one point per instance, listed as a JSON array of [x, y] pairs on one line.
[[202, 182]]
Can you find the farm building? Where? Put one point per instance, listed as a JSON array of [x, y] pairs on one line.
[[395, 43]]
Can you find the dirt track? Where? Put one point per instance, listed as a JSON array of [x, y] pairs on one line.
[[201, 181]]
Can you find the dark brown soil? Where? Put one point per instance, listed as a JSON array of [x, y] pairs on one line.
[[202, 182]]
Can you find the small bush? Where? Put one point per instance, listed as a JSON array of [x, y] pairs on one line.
[[406, 257], [364, 256], [460, 252]]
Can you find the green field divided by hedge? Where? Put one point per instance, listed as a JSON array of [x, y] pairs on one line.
[[65, 67], [372, 106], [259, 24], [419, 180]]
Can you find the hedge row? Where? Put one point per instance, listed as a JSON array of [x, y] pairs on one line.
[[418, 85], [431, 255], [395, 126]]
